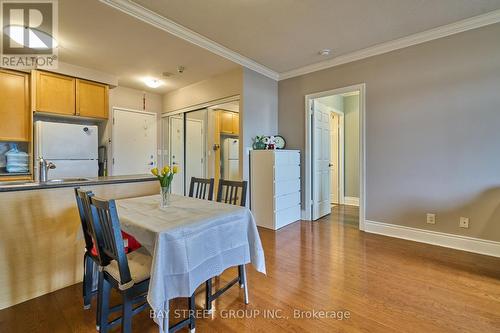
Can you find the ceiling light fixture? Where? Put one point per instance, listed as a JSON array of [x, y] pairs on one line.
[[152, 82], [325, 52]]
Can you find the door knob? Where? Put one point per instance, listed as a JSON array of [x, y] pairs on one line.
[[330, 165]]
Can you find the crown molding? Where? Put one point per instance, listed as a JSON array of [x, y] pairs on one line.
[[418, 38], [152, 18]]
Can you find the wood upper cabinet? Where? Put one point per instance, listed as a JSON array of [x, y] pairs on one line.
[[54, 93], [91, 99], [15, 114], [236, 123], [229, 122]]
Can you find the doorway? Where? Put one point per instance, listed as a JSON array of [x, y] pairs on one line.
[[135, 150], [203, 143], [334, 154], [184, 142]]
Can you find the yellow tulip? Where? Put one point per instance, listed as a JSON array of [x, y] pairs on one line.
[[175, 169], [165, 170], [154, 171]]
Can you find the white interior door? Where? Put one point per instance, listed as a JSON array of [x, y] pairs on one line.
[[334, 158], [176, 134], [195, 149], [134, 142], [321, 160]]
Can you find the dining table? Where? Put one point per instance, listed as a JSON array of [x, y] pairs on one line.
[[191, 240]]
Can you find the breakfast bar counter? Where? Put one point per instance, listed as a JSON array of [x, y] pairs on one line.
[[73, 182], [41, 247]]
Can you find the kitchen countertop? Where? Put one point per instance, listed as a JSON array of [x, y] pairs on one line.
[[31, 185]]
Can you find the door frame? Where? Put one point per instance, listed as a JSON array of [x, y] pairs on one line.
[[308, 152], [112, 150], [341, 155]]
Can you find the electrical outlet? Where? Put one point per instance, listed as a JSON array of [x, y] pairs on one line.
[[464, 222], [431, 218]]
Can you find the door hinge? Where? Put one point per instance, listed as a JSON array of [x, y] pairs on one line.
[[113, 120], [113, 161]]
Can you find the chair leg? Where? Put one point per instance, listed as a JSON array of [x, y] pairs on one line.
[[127, 313], [242, 273], [192, 311], [208, 295], [100, 281], [104, 294], [88, 265]]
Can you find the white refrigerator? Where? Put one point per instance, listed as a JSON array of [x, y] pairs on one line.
[[71, 147], [231, 160]]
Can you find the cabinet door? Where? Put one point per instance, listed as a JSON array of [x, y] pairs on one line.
[[55, 93], [236, 123], [15, 115], [91, 99], [226, 122]]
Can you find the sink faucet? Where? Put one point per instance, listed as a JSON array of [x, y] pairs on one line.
[[43, 169]]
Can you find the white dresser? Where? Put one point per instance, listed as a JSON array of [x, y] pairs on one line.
[[275, 187]]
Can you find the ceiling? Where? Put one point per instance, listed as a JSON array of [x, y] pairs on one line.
[[287, 34], [96, 36]]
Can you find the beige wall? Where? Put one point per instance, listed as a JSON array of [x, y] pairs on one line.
[[128, 98], [221, 86], [351, 146], [432, 130]]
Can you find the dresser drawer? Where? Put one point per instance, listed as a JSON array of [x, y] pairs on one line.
[[287, 173], [282, 187], [287, 158], [286, 201], [287, 216]]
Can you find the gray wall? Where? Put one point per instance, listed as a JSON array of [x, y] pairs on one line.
[[432, 130], [259, 112], [351, 146]]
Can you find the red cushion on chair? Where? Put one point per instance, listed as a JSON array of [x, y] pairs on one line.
[[133, 244]]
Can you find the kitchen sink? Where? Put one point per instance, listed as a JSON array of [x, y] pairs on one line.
[[21, 183], [17, 182], [67, 180]]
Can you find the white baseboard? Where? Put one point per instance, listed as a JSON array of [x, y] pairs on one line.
[[351, 201], [464, 243]]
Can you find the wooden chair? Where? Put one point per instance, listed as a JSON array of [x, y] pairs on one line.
[[232, 192], [201, 188], [235, 193], [129, 273], [90, 258]]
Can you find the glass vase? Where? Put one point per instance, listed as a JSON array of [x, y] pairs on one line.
[[164, 196]]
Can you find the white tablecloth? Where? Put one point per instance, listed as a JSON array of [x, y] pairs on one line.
[[191, 241]]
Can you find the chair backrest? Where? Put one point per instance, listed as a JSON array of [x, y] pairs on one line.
[[111, 243], [83, 204], [201, 188], [232, 192]]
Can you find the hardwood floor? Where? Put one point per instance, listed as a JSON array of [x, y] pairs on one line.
[[385, 284]]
